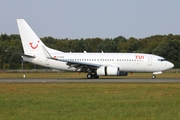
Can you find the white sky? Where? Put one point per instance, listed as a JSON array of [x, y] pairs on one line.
[[92, 18]]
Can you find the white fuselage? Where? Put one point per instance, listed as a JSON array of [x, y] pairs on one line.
[[127, 62]]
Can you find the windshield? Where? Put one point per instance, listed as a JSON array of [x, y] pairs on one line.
[[161, 60]]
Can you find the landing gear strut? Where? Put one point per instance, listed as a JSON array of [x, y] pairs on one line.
[[90, 76], [153, 77]]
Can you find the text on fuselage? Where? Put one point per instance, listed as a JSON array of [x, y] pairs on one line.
[[139, 56]]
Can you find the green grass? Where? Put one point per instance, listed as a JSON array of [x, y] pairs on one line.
[[83, 75], [87, 101]]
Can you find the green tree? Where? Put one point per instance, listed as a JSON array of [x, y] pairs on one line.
[[161, 49]]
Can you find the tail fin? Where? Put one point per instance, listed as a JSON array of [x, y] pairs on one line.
[[30, 41]]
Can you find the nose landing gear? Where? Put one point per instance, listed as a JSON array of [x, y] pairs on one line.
[[153, 76]]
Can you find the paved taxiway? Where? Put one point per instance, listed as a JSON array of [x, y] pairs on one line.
[[26, 80]]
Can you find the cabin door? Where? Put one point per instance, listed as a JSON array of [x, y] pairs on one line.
[[149, 61]]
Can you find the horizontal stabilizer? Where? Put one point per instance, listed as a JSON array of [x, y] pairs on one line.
[[21, 54]]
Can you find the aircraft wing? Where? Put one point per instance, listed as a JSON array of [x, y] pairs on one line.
[[76, 64]]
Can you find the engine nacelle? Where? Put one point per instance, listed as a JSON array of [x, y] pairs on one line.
[[110, 70]]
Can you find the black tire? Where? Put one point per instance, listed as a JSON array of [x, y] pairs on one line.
[[95, 76], [89, 76], [153, 77]]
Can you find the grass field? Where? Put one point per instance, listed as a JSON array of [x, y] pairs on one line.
[[83, 75], [90, 101]]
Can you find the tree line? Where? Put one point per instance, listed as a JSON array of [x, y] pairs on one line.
[[167, 46]]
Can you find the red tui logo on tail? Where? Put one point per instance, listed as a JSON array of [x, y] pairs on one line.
[[34, 47]]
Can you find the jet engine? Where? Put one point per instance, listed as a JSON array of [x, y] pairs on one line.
[[110, 70]]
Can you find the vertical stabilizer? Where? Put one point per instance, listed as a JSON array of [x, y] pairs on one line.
[[30, 41]]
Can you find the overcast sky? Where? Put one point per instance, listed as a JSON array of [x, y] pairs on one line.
[[92, 18]]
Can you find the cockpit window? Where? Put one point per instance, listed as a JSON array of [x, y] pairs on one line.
[[161, 60]]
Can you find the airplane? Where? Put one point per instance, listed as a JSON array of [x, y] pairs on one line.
[[94, 64]]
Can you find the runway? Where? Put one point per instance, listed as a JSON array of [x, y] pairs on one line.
[[68, 80]]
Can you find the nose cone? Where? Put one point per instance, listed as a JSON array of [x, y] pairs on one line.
[[170, 65]]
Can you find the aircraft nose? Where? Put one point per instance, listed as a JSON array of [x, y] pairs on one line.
[[170, 65]]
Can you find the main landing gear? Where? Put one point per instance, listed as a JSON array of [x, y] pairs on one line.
[[90, 76]]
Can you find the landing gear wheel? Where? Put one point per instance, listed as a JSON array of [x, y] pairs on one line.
[[153, 77], [89, 76], [95, 76]]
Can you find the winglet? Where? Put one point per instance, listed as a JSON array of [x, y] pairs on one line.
[[46, 53]]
